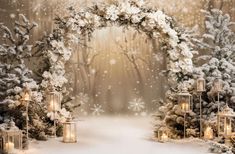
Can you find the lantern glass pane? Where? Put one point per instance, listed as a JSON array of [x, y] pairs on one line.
[[217, 85], [12, 140], [184, 102], [54, 102], [227, 126], [69, 132], [200, 85]]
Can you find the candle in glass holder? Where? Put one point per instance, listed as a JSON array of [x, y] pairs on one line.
[[164, 137], [70, 137], [208, 133], [26, 96], [9, 147], [54, 106], [228, 130], [185, 106]]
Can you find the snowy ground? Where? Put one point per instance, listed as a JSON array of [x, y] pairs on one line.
[[116, 135]]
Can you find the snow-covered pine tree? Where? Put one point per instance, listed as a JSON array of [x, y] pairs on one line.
[[169, 115], [15, 76], [218, 43], [17, 51]]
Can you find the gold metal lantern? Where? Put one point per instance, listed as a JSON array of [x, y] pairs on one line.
[[69, 131], [184, 100], [26, 98], [53, 101], [217, 88], [201, 87], [217, 85], [226, 124], [54, 105], [11, 141], [201, 84], [162, 134]]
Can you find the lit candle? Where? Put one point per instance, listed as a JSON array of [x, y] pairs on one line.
[[70, 137], [26, 96], [185, 106], [164, 137], [9, 147], [54, 106], [208, 133], [228, 129]]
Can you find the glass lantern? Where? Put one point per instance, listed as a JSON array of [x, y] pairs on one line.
[[53, 101], [184, 100], [11, 139], [226, 122], [217, 85], [69, 131], [201, 84], [208, 133], [162, 135]]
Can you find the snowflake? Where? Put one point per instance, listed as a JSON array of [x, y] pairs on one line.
[[12, 15], [112, 62], [136, 105], [93, 71], [83, 98], [97, 109]]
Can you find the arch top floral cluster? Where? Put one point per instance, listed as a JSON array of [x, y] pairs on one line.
[[133, 13]]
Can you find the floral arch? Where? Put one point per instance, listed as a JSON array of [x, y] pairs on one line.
[[132, 13]]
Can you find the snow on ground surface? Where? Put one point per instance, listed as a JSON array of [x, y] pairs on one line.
[[116, 135]]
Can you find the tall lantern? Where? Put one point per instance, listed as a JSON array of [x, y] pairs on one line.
[[53, 101], [217, 88], [26, 98], [226, 124], [11, 141], [54, 105], [69, 131], [184, 100], [201, 87]]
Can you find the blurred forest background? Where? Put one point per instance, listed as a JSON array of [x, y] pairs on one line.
[[103, 74]]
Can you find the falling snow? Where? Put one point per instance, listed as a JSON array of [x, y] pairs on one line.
[[97, 110], [136, 105]]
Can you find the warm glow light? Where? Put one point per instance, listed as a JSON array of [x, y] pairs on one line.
[[70, 136], [69, 132], [164, 137], [185, 106], [9, 147], [26, 96], [54, 106], [208, 133], [228, 129]]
